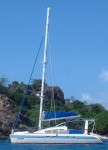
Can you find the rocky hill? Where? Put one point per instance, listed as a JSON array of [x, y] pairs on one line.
[[12, 95], [7, 117]]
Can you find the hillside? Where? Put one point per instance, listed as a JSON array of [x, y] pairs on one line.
[[12, 95], [7, 116]]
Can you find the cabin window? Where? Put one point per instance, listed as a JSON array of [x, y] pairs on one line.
[[51, 131]]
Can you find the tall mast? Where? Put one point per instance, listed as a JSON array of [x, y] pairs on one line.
[[44, 68]]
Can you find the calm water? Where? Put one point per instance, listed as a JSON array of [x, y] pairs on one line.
[[6, 145]]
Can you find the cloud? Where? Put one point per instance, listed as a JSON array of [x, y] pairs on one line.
[[102, 99], [104, 75], [87, 97]]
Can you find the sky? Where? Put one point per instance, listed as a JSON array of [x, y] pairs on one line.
[[78, 43]]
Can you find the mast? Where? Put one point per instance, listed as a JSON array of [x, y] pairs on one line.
[[44, 68]]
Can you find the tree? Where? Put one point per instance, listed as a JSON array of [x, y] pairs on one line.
[[3, 81], [102, 123], [97, 108], [36, 84]]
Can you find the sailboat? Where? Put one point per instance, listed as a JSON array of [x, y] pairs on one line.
[[59, 134]]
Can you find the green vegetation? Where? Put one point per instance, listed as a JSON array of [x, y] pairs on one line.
[[30, 112]]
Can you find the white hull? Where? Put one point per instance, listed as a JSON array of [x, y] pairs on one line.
[[54, 139]]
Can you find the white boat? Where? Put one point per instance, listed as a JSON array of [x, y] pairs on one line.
[[60, 134]]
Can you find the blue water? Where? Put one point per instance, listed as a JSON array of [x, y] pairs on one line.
[[6, 145]]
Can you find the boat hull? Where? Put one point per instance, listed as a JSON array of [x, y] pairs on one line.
[[54, 139]]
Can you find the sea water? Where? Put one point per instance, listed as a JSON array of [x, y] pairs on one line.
[[6, 145]]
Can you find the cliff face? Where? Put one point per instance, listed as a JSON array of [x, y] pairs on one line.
[[7, 117]]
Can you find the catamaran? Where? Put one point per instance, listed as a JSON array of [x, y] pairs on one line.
[[59, 134]]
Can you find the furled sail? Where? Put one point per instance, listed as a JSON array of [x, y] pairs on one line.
[[59, 115]]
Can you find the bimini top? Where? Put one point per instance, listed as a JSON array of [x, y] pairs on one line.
[[57, 115]]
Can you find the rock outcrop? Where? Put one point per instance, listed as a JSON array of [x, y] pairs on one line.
[[7, 116]]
